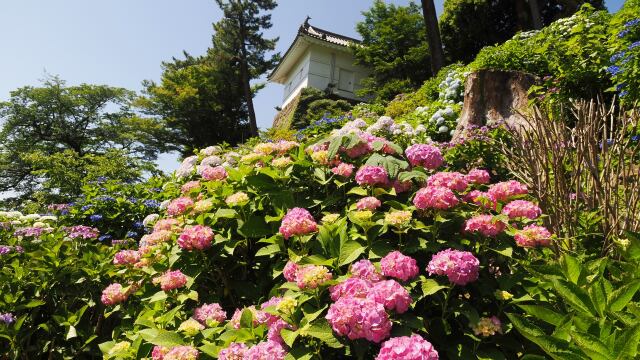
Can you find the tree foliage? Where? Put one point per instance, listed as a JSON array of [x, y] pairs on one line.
[[394, 47], [469, 25], [55, 137], [239, 38], [200, 98]]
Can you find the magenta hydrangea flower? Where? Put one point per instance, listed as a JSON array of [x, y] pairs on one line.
[[402, 186], [427, 156], [213, 173], [298, 221], [352, 287], [478, 176], [166, 224], [435, 197], [399, 266], [182, 353], [210, 314], [484, 224], [481, 199], [235, 351], [188, 186], [532, 236], [268, 318], [273, 334], [343, 169], [258, 316], [368, 203], [196, 237], [359, 319], [390, 294], [171, 280], [312, 276], [81, 231], [372, 175], [159, 352], [7, 318], [522, 208], [126, 257], [179, 206], [412, 347], [364, 269], [502, 191], [290, 271], [452, 180], [461, 267], [266, 350], [113, 294], [357, 151]]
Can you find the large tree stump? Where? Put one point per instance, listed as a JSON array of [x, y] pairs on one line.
[[492, 96]]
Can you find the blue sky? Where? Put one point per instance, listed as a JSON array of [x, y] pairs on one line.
[[122, 42]]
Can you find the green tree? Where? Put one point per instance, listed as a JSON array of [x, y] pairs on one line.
[[56, 137], [238, 36], [394, 47], [202, 99], [467, 26]]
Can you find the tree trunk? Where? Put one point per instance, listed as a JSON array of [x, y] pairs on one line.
[[433, 35], [522, 15], [536, 21], [244, 71]]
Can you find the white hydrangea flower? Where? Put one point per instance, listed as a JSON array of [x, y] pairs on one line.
[[443, 129], [212, 160], [210, 150], [150, 219]]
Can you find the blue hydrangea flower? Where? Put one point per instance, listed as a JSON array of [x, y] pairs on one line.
[[138, 225], [631, 23], [131, 234], [634, 45], [86, 207], [105, 237], [95, 217], [613, 70]]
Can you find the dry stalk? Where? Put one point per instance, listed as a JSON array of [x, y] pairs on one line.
[[590, 167]]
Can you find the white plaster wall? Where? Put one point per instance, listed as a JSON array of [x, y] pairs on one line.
[[296, 78], [320, 69]]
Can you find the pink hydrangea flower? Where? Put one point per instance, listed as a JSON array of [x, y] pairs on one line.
[[182, 353], [399, 266], [165, 224], [484, 224], [402, 186], [273, 334], [258, 316], [159, 352], [126, 257], [359, 319], [171, 280], [390, 294], [208, 314], [368, 203], [372, 175], [188, 186], [235, 351], [298, 221], [357, 151], [452, 180], [481, 199], [412, 347], [352, 287], [196, 237], [269, 318], [82, 232], [266, 350], [179, 206], [532, 236], [427, 156], [290, 271], [343, 169], [461, 267], [364, 269], [113, 294], [213, 173], [312, 276], [478, 176], [521, 208], [502, 191], [435, 197]]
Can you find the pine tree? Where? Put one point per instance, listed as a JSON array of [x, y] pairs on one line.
[[239, 36]]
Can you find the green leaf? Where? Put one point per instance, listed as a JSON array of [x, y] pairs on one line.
[[620, 298], [358, 191], [334, 145], [572, 267], [555, 348], [159, 296], [246, 319], [349, 251], [323, 332], [268, 250], [210, 349], [226, 213], [430, 287], [626, 345], [574, 295], [289, 336], [591, 345], [161, 337], [543, 313], [255, 227]]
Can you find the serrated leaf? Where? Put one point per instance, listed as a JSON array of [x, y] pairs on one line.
[[430, 287], [161, 337], [349, 251], [572, 268], [323, 332], [543, 313], [268, 250], [626, 345], [574, 295], [590, 345], [619, 298]]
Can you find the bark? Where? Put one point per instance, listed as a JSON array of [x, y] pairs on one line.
[[522, 15], [433, 35], [492, 96], [536, 21]]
